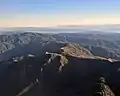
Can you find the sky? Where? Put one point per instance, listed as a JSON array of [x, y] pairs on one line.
[[39, 13]]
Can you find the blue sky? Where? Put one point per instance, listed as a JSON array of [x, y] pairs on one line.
[[58, 12]]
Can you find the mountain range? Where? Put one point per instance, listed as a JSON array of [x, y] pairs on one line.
[[105, 45], [59, 64]]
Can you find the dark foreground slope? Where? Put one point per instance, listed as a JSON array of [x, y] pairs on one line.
[[79, 76], [60, 72]]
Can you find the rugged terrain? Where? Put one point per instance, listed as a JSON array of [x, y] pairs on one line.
[[60, 72], [100, 44], [35, 64]]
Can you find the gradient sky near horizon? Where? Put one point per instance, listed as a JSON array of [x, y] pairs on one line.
[[37, 13]]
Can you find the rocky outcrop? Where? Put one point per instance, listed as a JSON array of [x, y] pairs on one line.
[[102, 89], [76, 51]]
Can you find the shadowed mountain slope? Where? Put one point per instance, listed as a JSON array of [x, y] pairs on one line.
[[58, 74]]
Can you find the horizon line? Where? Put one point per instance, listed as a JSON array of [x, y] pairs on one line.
[[60, 26]]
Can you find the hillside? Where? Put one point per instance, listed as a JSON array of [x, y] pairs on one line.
[[23, 43], [57, 72]]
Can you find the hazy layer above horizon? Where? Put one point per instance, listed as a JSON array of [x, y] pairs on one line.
[[115, 28]]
